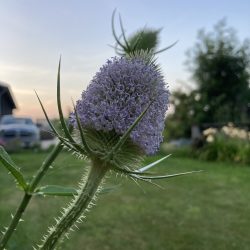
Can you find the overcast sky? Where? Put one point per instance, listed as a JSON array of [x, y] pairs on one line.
[[33, 34]]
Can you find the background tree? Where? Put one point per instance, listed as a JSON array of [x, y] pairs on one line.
[[185, 106], [220, 68]]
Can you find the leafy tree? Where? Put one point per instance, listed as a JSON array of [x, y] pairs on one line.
[[220, 66]]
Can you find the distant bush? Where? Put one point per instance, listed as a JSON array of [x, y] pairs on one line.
[[227, 144]]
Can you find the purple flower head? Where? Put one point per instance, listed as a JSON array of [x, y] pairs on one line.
[[118, 94]]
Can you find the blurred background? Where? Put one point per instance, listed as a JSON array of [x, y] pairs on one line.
[[207, 125]]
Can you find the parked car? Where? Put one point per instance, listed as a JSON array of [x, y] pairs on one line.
[[19, 131]]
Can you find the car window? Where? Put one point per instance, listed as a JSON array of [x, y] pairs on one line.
[[24, 121], [12, 120], [7, 120]]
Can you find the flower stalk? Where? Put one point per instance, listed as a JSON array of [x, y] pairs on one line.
[[81, 202], [15, 220]]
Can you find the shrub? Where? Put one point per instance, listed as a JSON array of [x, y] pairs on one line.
[[227, 144]]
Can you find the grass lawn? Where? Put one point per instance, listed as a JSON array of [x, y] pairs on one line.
[[209, 210]]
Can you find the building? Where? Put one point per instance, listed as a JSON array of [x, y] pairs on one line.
[[7, 102]]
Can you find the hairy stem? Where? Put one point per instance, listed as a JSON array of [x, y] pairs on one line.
[[27, 196], [46, 164], [15, 220], [77, 206]]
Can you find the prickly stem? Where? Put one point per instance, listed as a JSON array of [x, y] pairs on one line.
[[80, 203]]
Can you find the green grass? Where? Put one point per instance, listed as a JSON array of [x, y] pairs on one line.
[[209, 210]]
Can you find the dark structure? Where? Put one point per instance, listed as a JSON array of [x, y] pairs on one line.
[[7, 103]]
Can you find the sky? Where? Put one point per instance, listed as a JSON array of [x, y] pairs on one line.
[[33, 35]]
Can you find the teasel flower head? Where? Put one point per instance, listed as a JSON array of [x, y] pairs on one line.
[[118, 94]]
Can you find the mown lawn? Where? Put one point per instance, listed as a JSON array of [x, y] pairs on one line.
[[209, 210]]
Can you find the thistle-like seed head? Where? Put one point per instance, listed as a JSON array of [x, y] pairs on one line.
[[118, 94]]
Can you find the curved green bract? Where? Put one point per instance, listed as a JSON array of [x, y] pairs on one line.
[[79, 126], [59, 106], [158, 177], [103, 143]]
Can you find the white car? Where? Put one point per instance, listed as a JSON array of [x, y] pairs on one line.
[[20, 130]]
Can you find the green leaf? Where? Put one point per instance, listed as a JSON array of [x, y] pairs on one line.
[[12, 168], [55, 190]]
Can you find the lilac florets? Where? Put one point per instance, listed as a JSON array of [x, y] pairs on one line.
[[118, 94]]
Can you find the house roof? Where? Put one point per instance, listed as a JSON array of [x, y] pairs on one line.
[[5, 89]]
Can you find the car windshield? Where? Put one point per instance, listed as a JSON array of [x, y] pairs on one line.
[[13, 120]]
